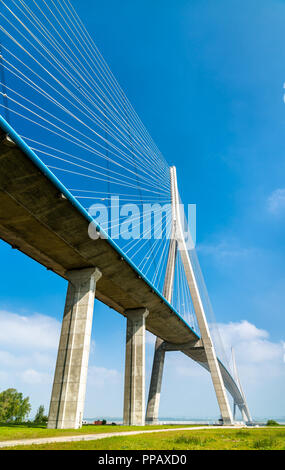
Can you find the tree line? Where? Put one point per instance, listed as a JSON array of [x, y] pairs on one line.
[[15, 408]]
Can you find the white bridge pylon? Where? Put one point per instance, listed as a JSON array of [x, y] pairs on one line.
[[177, 242]]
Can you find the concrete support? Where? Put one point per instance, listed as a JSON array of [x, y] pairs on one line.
[[159, 352], [68, 393], [134, 394], [155, 383], [245, 414], [234, 411]]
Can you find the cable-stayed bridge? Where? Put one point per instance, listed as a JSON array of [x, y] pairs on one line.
[[81, 182]]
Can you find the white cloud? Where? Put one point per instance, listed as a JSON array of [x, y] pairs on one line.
[[8, 359], [28, 356], [100, 376], [225, 250], [241, 331], [276, 202], [185, 367], [29, 367], [33, 377], [23, 359], [251, 344], [260, 364], [34, 332]]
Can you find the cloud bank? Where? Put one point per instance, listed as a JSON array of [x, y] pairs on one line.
[[28, 355]]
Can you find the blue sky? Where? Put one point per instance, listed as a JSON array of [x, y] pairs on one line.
[[207, 80]]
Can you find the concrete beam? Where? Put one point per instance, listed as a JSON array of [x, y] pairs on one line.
[[134, 393], [181, 347], [69, 386]]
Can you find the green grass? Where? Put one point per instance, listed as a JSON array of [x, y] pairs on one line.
[[222, 439], [32, 431]]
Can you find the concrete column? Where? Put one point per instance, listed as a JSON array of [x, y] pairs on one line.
[[69, 386], [159, 353], [134, 394], [155, 384], [245, 415], [234, 411]]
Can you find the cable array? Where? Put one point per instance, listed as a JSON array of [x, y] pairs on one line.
[[60, 95], [58, 92]]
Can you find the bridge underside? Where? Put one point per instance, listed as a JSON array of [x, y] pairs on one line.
[[38, 221]]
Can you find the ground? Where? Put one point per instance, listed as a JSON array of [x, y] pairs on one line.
[[264, 438]]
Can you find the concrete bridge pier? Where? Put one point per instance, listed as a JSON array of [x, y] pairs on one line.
[[69, 386], [155, 384], [159, 351], [245, 414], [134, 393], [234, 411]]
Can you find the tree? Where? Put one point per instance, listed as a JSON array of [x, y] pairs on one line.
[[40, 417], [13, 406]]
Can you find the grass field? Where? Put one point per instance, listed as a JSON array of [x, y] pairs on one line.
[[211, 439], [25, 431]]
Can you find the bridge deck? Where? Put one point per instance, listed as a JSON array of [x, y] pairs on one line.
[[38, 221]]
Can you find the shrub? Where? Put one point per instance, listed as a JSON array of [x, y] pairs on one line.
[[40, 417], [272, 422]]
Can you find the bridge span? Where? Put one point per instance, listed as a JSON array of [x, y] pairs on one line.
[[39, 217]]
